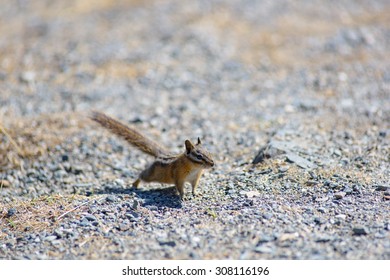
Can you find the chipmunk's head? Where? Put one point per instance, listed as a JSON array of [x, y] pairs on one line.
[[196, 153]]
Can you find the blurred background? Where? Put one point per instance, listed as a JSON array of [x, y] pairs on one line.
[[71, 55], [231, 71], [203, 67], [219, 69]]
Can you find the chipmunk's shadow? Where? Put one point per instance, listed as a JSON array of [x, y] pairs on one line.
[[165, 197], [159, 197]]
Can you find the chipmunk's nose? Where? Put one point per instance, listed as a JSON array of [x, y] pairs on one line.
[[212, 163]]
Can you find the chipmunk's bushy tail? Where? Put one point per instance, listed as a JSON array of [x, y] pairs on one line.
[[130, 135]]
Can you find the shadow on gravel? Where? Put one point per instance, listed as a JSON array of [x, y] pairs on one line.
[[165, 197]]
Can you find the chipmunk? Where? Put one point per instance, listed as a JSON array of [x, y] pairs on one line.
[[167, 168]]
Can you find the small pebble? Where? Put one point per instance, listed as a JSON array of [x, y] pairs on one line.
[[167, 243], [251, 194], [50, 238], [135, 204], [319, 220], [359, 230], [327, 183], [311, 183], [313, 175], [84, 222], [341, 216], [339, 195], [11, 212], [265, 238], [288, 236], [124, 227], [263, 249], [90, 217], [111, 198], [58, 233], [321, 209], [153, 208], [77, 169], [323, 239], [382, 187], [347, 190], [283, 168], [28, 77], [64, 157], [267, 216]]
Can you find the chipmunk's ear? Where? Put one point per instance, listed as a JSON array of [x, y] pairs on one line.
[[199, 141], [189, 146]]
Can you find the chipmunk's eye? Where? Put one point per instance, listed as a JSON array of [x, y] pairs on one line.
[[199, 156]]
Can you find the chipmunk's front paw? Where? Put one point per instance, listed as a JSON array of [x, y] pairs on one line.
[[196, 194], [185, 198]]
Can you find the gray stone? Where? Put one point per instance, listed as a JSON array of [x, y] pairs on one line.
[[359, 230], [319, 220], [347, 190], [322, 210], [381, 187], [300, 161], [111, 198], [324, 239], [167, 243], [283, 168], [28, 77], [272, 149], [341, 216], [262, 249], [11, 212], [90, 217], [50, 237], [339, 195], [250, 194], [152, 208], [59, 174], [84, 222], [267, 216], [265, 238]]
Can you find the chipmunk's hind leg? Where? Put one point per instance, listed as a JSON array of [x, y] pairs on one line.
[[147, 175], [143, 176], [136, 183]]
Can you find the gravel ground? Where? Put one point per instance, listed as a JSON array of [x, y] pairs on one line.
[[291, 97]]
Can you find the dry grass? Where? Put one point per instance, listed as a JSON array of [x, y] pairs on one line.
[[28, 138], [75, 8], [40, 214]]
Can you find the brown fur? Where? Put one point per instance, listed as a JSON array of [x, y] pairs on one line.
[[167, 169], [131, 135]]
